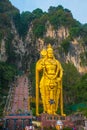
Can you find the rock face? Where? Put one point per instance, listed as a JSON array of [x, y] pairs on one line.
[[74, 56], [60, 34], [27, 50], [3, 56]]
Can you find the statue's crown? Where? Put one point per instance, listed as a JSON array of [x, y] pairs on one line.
[[49, 47], [43, 52]]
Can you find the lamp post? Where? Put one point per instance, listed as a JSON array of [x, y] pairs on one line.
[[59, 125]]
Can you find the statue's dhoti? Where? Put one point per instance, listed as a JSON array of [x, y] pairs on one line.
[[50, 93]]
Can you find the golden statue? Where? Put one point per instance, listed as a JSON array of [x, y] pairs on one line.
[[50, 83]]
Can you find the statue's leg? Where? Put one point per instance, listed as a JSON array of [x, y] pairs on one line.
[[47, 100], [61, 101], [42, 91], [44, 104], [54, 103], [57, 98]]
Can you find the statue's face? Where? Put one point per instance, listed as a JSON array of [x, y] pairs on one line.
[[50, 54]]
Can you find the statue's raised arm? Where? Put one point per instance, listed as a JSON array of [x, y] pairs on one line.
[[39, 68]]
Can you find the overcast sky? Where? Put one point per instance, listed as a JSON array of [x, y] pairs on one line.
[[77, 7]]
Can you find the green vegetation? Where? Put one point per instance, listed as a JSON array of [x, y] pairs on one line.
[[32, 77], [65, 45], [23, 21], [83, 57], [38, 29], [7, 12], [82, 89], [71, 78], [7, 73], [10, 49], [75, 89], [49, 40], [37, 13], [58, 16]]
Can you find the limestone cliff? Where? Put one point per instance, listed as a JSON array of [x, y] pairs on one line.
[[27, 51]]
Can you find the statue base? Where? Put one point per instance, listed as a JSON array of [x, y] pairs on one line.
[[49, 120]]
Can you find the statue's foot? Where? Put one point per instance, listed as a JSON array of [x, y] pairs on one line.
[[37, 114], [54, 113], [63, 114], [49, 112]]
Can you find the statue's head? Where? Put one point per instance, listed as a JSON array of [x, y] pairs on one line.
[[49, 48], [50, 51]]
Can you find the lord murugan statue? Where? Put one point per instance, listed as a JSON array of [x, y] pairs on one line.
[[49, 83]]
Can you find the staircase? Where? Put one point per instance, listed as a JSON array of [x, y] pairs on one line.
[[20, 100], [16, 111], [17, 100]]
